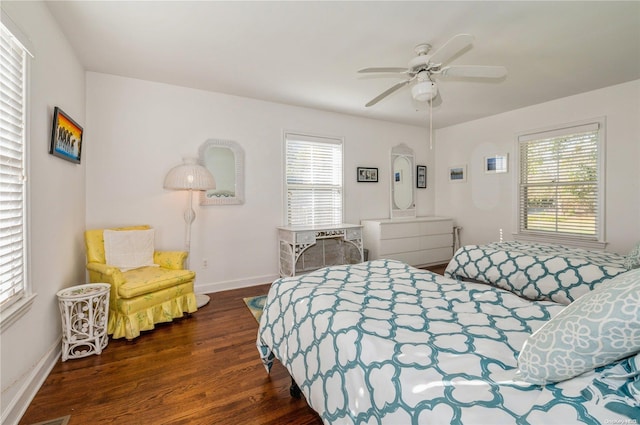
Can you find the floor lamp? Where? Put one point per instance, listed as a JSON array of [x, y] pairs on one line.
[[190, 176]]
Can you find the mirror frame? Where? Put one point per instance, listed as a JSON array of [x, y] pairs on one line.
[[403, 151], [208, 197]]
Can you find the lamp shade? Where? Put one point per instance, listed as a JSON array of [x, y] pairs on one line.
[[189, 176], [424, 91]]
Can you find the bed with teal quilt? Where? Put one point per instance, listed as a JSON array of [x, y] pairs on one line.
[[384, 343], [535, 270]]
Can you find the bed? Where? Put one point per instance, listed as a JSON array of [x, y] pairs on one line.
[[381, 342], [536, 271]]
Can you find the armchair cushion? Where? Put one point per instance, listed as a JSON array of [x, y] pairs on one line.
[[129, 249], [147, 280]]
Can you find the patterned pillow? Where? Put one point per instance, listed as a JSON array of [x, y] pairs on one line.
[[536, 271], [598, 328], [632, 261]]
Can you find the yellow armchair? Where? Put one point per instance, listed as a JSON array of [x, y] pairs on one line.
[[141, 297]]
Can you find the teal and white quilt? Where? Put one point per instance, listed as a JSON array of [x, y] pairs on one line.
[[536, 271], [384, 343]]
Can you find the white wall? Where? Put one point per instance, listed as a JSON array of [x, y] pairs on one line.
[[484, 204], [31, 345], [138, 130]]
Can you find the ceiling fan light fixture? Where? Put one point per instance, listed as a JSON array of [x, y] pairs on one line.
[[424, 67], [424, 91]]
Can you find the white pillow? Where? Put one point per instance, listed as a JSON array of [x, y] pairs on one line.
[[129, 249], [598, 328]]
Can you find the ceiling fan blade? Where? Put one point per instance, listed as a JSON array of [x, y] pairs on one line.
[[387, 93], [388, 69], [474, 71], [451, 47]]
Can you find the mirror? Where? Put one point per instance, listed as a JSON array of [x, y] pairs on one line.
[[225, 160], [402, 189]]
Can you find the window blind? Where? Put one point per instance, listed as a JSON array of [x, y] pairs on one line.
[[13, 59], [313, 176], [560, 182]]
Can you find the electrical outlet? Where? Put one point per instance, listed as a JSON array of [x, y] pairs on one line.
[[205, 263]]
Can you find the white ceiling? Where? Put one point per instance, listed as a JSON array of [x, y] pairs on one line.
[[307, 53]]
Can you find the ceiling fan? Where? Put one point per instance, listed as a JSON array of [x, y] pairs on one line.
[[424, 67]]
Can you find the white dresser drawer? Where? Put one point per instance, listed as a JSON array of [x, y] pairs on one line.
[[399, 230], [437, 228], [437, 255], [413, 228], [395, 246], [423, 257], [391, 246]]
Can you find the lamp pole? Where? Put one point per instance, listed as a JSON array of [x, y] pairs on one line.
[[190, 176], [189, 218]]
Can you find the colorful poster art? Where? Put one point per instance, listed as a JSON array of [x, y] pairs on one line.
[[66, 137]]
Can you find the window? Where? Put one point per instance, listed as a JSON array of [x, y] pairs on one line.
[[313, 180], [13, 75], [561, 183]]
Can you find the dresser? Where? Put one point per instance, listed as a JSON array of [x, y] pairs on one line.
[[419, 241], [307, 248]]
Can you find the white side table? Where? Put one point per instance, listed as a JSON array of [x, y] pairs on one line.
[[295, 240], [84, 310]]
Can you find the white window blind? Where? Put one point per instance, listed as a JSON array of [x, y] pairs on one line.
[[560, 182], [13, 58], [313, 178]]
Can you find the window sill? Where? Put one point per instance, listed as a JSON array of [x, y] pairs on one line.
[[569, 242], [15, 311]]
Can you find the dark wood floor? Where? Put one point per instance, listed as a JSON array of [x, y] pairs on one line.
[[204, 369], [199, 370]]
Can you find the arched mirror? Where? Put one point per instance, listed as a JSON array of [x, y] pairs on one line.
[[402, 189], [225, 160]]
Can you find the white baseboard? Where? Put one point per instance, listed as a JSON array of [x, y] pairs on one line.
[[207, 288], [33, 381]]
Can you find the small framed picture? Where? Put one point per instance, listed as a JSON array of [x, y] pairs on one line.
[[458, 174], [66, 137], [367, 174], [496, 164], [421, 176]]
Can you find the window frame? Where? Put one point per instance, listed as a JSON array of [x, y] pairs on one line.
[[313, 138], [11, 311], [598, 240]]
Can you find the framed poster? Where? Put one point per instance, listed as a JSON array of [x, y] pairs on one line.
[[421, 176], [496, 164], [458, 174], [66, 137], [367, 174]]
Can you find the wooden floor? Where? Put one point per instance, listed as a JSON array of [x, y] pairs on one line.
[[199, 370], [204, 369]]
